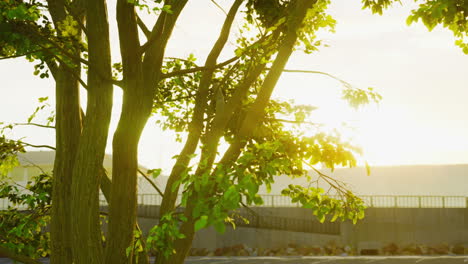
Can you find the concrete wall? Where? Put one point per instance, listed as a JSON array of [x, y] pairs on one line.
[[255, 238], [381, 226], [409, 225]]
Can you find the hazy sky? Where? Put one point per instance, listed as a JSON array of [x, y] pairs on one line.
[[421, 75]]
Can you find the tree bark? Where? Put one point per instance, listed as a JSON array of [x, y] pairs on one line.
[[86, 232], [255, 113], [139, 89], [67, 134], [196, 125], [68, 130]]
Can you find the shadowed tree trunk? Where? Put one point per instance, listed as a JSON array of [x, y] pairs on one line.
[[86, 232], [68, 130], [67, 134]]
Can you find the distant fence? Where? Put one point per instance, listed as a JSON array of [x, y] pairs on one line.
[[375, 201]]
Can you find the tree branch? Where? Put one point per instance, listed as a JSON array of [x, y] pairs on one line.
[[176, 99], [17, 257], [196, 125], [196, 69], [143, 27], [68, 69], [220, 7], [37, 146], [76, 17], [152, 183], [336, 184], [119, 83], [21, 55], [53, 67], [174, 58], [293, 121], [32, 124], [345, 83], [256, 111]]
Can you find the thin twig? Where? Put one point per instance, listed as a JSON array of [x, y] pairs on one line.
[[32, 163], [152, 183], [294, 122], [196, 69], [21, 55], [37, 146], [32, 124], [70, 70], [345, 83], [336, 184], [220, 7], [186, 60], [176, 99]]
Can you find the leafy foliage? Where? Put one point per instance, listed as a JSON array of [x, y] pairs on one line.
[[451, 14], [277, 144], [43, 107], [23, 230], [351, 207], [162, 236], [26, 30], [214, 187], [8, 151]]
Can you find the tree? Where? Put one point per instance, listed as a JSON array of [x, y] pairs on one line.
[[220, 102], [452, 15]]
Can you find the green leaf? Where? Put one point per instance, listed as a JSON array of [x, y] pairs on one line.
[[201, 222], [155, 172], [220, 227]]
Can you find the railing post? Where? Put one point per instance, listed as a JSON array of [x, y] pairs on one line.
[[443, 201], [371, 201], [419, 201], [466, 200], [395, 201], [272, 201]]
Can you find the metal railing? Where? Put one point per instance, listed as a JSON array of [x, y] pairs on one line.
[[376, 201]]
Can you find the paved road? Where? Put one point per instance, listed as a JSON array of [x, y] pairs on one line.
[[317, 260], [328, 260]]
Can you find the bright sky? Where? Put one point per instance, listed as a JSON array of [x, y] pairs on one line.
[[421, 75]]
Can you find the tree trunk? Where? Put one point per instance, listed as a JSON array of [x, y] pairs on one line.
[[122, 210], [86, 232], [67, 134], [196, 125], [139, 89], [255, 113]]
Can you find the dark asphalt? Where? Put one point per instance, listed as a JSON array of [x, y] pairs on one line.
[[316, 260]]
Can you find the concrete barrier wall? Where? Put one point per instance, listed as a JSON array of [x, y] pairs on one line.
[[381, 226], [253, 237], [409, 225]]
